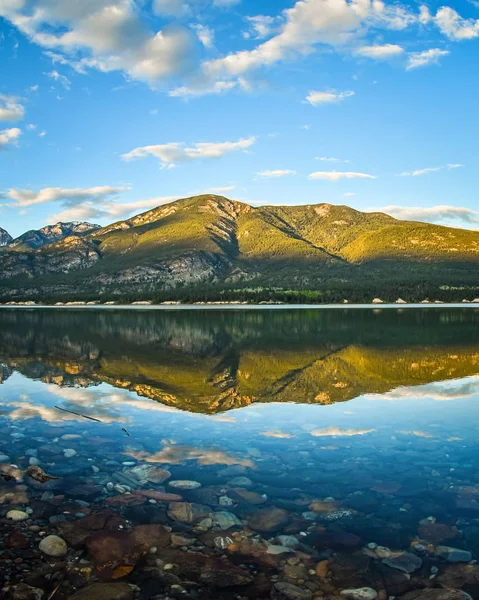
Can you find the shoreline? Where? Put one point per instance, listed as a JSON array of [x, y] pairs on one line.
[[235, 306]]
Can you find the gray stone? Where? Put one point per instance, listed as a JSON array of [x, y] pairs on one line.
[[364, 593], [405, 562], [453, 554], [288, 591]]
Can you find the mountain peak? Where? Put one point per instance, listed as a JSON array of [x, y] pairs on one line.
[[37, 238], [5, 237]]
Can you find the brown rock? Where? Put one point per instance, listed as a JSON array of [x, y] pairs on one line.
[[110, 548], [214, 572], [104, 591], [188, 512], [322, 569], [436, 532], [147, 536], [436, 594], [126, 500], [159, 496], [18, 540], [157, 475], [268, 519], [242, 495], [337, 540], [458, 575], [22, 591], [287, 591]]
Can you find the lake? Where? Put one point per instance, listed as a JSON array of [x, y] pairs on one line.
[[292, 454]]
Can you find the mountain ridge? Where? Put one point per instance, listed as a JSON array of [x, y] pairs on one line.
[[210, 242], [49, 234], [5, 237]]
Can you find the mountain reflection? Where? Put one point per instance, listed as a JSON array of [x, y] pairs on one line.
[[212, 361]]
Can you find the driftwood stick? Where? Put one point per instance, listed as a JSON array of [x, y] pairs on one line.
[[77, 414]]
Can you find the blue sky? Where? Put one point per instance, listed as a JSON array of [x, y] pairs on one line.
[[111, 107]]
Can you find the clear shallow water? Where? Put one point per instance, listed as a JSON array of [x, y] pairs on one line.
[[350, 427]]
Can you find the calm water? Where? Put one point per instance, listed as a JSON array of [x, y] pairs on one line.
[[312, 433]]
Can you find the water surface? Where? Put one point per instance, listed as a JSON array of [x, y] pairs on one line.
[[336, 429]]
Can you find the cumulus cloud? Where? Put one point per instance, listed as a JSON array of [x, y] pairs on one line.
[[276, 174], [107, 35], [109, 209], [337, 432], [425, 58], [201, 88], [176, 152], [380, 52], [331, 159], [442, 215], [205, 34], [10, 109], [316, 98], [220, 190], [455, 27], [70, 196], [338, 175], [427, 170], [9, 137], [261, 26]]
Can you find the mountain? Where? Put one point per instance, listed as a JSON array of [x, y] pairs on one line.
[[210, 362], [37, 238], [5, 237], [209, 247]]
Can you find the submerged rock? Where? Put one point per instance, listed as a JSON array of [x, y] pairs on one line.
[[188, 512], [54, 546], [453, 554], [104, 591], [268, 519], [17, 515], [436, 594], [288, 591], [405, 562], [364, 593]]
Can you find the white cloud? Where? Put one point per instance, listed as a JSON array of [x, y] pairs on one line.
[[332, 159], [338, 175], [380, 52], [55, 75], [425, 58], [175, 152], [337, 432], [276, 174], [203, 88], [261, 26], [68, 196], [442, 215], [81, 204], [42, 134], [427, 170], [348, 194], [10, 109], [109, 210], [220, 190], [9, 137], [108, 35], [174, 8], [455, 27], [316, 98], [306, 24], [205, 34]]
